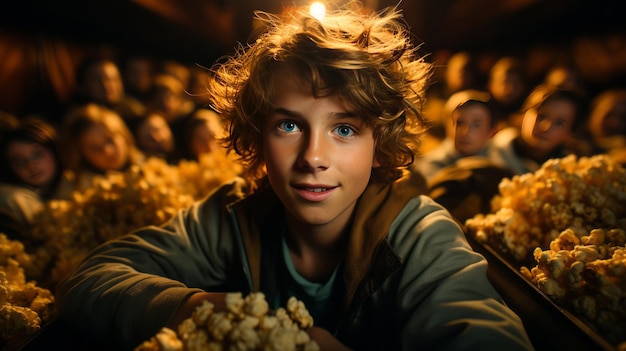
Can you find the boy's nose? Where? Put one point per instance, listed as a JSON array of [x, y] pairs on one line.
[[314, 154]]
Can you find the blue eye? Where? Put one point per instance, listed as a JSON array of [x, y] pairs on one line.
[[344, 131], [288, 126]]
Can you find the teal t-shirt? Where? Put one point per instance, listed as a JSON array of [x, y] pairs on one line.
[[320, 299]]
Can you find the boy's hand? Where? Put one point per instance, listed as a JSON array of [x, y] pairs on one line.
[[326, 340]]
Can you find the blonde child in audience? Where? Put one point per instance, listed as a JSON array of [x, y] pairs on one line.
[[325, 114], [94, 142]]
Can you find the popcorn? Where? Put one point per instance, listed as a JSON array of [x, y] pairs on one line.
[[569, 219], [66, 230], [24, 306], [116, 204], [164, 340], [247, 324]]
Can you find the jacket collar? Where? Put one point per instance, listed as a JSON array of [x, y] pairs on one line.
[[260, 215]]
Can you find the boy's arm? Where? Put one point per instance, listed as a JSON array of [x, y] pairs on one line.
[[447, 299], [128, 288]]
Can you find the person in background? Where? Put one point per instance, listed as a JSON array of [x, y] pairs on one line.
[[8, 122], [201, 135], [326, 116], [94, 141], [154, 137], [471, 124], [604, 131], [99, 81], [551, 116], [169, 97], [198, 86], [176, 69], [30, 174], [509, 87], [459, 73], [566, 76], [138, 75], [459, 174]]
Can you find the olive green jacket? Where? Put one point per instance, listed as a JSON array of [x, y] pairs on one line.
[[409, 278]]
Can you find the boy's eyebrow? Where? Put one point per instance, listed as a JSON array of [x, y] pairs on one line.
[[290, 113]]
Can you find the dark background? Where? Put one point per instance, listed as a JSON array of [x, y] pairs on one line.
[[42, 41]]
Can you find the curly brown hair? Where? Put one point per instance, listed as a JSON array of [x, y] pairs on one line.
[[368, 61]]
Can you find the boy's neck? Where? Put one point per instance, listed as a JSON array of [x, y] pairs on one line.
[[316, 250]]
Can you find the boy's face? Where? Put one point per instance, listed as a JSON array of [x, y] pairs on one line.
[[549, 126], [319, 155], [33, 163], [471, 129]]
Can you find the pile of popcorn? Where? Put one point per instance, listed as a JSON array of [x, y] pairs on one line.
[[567, 221], [532, 209], [586, 272], [24, 306], [149, 194], [247, 324], [66, 230]]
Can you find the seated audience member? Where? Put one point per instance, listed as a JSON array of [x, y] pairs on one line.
[[508, 84], [605, 129], [30, 173], [198, 86], [471, 124], [99, 81], [154, 136], [200, 135], [138, 73], [171, 99], [176, 69], [551, 115], [460, 72], [8, 122], [94, 142], [568, 77]]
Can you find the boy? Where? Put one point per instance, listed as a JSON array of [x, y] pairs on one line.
[[324, 115], [471, 124]]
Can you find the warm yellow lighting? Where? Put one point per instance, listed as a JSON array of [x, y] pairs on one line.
[[317, 10]]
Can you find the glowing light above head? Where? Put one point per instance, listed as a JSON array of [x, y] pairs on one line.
[[317, 10]]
